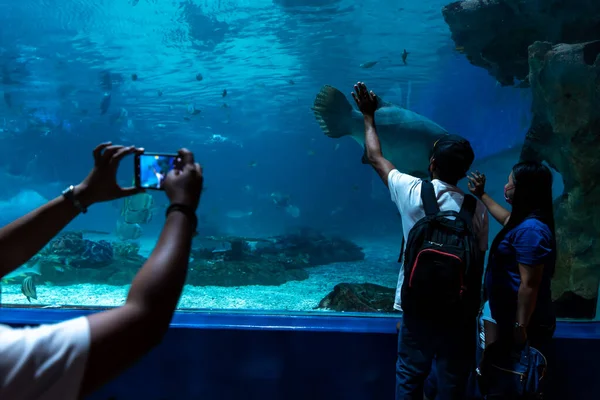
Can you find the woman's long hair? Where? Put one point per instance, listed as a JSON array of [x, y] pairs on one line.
[[532, 199]]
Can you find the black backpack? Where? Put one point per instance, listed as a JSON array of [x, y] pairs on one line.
[[442, 272]]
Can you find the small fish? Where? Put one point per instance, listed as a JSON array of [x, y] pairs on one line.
[[28, 288], [134, 77], [235, 214], [252, 164], [404, 55], [337, 146], [105, 104], [369, 64], [199, 77], [311, 152], [191, 109], [160, 93], [293, 211], [224, 94], [291, 82]]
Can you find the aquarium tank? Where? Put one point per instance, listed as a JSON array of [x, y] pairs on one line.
[[291, 220]]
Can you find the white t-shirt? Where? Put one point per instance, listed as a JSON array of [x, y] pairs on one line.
[[45, 362], [406, 194]]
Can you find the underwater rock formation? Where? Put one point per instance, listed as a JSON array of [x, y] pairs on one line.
[[234, 261], [77, 252], [70, 259], [495, 34], [257, 271], [312, 247], [359, 297], [215, 260], [565, 132]]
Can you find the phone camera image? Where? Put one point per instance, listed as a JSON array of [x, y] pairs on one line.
[[153, 168]]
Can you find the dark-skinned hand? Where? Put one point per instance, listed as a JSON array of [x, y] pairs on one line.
[[101, 183], [183, 185], [365, 100], [476, 183]]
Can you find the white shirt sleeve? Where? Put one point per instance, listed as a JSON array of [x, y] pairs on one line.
[[401, 186], [45, 362]]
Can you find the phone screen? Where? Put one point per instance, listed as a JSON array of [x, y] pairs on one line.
[[152, 168]]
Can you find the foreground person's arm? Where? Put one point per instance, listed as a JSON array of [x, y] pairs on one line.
[[121, 336], [22, 239]]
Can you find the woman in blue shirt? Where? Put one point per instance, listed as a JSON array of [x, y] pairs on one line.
[[522, 257]]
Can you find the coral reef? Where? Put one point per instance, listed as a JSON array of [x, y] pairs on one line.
[[70, 259], [233, 261], [495, 34], [215, 260], [359, 297], [565, 132]]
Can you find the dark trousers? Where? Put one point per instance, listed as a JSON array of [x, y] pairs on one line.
[[451, 343]]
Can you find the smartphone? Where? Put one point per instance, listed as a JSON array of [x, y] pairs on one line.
[[152, 168]]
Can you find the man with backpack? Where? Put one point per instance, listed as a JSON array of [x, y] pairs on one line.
[[445, 236]]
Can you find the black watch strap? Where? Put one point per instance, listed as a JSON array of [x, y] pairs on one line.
[[187, 211], [69, 194]]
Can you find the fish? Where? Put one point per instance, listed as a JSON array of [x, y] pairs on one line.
[[23, 271], [368, 64], [293, 211], [28, 288], [406, 137], [404, 55], [236, 214]]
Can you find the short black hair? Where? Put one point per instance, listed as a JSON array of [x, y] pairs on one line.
[[453, 157]]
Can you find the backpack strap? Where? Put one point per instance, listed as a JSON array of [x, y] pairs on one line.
[[467, 210], [429, 205], [428, 198]]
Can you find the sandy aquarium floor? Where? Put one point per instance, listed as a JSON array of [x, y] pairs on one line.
[[379, 267]]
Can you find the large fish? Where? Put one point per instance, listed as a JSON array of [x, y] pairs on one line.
[[406, 137]]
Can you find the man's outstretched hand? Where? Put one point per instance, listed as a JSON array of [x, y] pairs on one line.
[[365, 100], [101, 183]]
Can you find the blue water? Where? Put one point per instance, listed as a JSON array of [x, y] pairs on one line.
[[167, 66]]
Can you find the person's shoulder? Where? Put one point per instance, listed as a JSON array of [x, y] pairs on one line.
[[397, 178], [533, 224], [532, 230]]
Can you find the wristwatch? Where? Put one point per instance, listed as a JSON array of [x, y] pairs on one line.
[[69, 194], [519, 326]]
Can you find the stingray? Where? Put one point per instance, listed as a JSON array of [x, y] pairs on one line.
[[406, 137]]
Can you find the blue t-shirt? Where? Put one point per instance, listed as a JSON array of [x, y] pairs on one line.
[[529, 243]]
